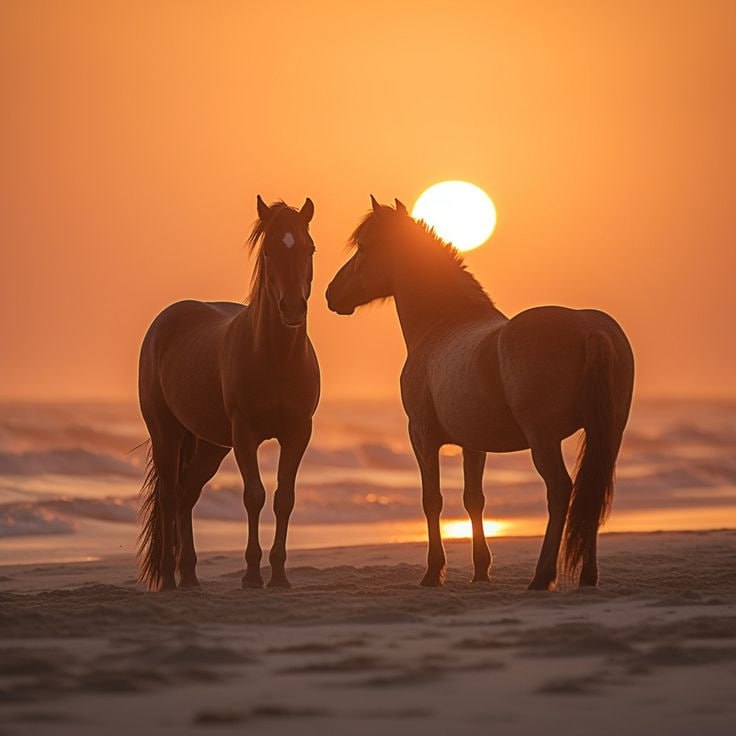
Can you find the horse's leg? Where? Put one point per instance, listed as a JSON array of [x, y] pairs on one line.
[[473, 465], [254, 496], [427, 454], [165, 448], [547, 457], [195, 472], [293, 446]]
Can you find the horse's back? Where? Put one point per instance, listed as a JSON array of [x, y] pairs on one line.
[[188, 322], [192, 312], [546, 342], [542, 357]]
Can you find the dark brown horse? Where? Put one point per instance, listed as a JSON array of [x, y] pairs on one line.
[[218, 375], [477, 379]]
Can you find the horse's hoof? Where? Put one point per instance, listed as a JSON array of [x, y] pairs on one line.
[[481, 578], [588, 584], [189, 584], [539, 585], [279, 582], [251, 582], [433, 580], [589, 580], [167, 584]]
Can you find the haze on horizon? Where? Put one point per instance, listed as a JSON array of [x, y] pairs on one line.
[[135, 138]]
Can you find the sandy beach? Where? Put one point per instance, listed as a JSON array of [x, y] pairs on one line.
[[357, 646]]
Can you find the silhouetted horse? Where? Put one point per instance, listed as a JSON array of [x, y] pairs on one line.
[[216, 375], [477, 379]]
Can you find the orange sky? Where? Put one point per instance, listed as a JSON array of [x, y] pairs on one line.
[[135, 136]]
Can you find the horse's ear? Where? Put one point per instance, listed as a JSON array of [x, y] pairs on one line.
[[307, 210], [263, 209], [401, 207], [374, 204]]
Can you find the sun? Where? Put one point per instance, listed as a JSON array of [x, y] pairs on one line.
[[460, 212]]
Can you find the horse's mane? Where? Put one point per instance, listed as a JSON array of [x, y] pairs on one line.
[[422, 240], [255, 243]]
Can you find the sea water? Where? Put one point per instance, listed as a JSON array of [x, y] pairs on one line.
[[70, 475]]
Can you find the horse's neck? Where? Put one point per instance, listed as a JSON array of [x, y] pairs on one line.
[[421, 312], [261, 326]]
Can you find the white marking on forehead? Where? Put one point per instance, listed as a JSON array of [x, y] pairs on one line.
[[288, 240]]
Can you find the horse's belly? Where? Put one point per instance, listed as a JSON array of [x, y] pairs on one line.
[[207, 421], [479, 425]]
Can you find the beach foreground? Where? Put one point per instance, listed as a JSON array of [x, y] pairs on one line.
[[356, 646]]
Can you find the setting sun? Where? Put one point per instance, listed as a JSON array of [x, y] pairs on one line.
[[460, 212]]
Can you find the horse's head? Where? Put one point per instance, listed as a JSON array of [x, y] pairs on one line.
[[368, 273], [284, 266]]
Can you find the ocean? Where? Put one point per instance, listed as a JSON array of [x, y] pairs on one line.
[[69, 480]]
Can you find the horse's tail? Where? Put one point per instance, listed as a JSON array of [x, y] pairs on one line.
[[592, 491], [150, 539]]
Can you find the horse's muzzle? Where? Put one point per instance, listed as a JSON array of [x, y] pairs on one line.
[[333, 306]]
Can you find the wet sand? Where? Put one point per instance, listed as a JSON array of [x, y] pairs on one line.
[[356, 646]]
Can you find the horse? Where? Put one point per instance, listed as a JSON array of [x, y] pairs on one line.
[[477, 379], [220, 375]]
